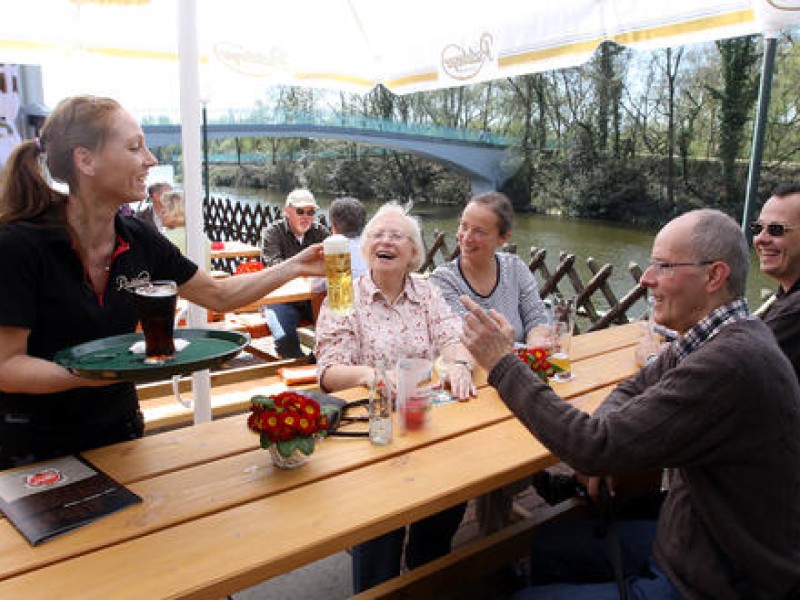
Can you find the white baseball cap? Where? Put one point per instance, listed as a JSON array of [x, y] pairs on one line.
[[301, 198]]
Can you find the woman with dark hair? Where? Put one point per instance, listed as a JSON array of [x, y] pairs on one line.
[[492, 279], [69, 259]]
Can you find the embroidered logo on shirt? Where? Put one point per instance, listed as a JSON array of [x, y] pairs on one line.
[[141, 279]]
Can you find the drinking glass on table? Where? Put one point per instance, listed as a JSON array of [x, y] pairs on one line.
[[439, 395], [563, 327], [413, 393]]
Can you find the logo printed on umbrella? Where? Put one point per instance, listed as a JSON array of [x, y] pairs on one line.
[[465, 63], [250, 62]]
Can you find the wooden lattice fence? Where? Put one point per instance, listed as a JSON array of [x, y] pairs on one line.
[[227, 220], [598, 306], [592, 315]]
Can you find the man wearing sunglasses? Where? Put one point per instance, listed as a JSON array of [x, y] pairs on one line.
[[776, 237], [281, 240]]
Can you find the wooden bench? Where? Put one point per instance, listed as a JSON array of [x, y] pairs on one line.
[[459, 570], [230, 394]]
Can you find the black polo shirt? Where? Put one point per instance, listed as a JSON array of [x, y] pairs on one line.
[[280, 243], [43, 288]]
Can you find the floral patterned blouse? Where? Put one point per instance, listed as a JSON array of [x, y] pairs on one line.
[[419, 324]]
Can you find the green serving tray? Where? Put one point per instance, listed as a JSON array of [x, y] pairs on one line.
[[110, 358]]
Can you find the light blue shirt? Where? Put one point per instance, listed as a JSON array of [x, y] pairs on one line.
[[357, 264]]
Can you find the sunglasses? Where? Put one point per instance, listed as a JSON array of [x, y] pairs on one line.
[[305, 211], [773, 229]]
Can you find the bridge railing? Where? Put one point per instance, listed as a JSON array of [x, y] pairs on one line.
[[332, 119]]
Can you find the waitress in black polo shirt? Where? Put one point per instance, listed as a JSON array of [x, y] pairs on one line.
[[66, 260]]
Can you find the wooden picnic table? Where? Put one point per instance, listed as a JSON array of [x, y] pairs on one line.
[[217, 517], [236, 249], [296, 290]]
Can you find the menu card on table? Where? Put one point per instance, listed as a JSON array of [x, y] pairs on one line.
[[49, 498]]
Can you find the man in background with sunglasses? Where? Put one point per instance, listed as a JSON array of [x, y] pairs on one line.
[[282, 240], [776, 237]]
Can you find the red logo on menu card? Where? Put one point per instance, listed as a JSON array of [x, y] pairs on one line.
[[44, 478]]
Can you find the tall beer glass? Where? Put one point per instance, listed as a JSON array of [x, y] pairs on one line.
[[564, 325], [155, 303], [339, 274]]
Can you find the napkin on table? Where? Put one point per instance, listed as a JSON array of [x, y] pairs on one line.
[[138, 347]]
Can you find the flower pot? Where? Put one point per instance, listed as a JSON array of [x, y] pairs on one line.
[[294, 460]]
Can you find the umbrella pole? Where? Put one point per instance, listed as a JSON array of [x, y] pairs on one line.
[[192, 178], [757, 151]]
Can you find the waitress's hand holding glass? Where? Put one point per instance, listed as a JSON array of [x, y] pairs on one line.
[[155, 303]]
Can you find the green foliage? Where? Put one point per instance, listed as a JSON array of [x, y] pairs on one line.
[[304, 444], [595, 139], [737, 97]]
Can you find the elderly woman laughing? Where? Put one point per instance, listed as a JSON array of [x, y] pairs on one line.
[[395, 316]]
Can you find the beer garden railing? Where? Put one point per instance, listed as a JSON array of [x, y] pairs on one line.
[[598, 305]]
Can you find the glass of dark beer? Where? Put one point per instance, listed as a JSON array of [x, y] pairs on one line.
[[155, 303]]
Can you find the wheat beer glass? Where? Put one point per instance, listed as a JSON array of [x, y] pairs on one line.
[[155, 302], [563, 327], [338, 274]]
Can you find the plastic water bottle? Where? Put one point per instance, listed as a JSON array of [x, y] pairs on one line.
[[380, 408]]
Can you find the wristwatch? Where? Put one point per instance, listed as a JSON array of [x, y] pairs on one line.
[[465, 363]]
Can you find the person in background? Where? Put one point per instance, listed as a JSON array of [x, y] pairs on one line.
[[720, 408], [173, 216], [493, 279], [283, 239], [150, 213], [777, 242], [348, 217], [69, 263], [395, 315]]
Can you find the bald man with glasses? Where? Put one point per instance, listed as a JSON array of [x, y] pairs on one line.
[[776, 237], [720, 408]]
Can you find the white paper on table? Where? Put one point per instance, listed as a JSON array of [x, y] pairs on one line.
[[138, 347]]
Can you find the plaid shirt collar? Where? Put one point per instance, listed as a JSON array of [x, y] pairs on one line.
[[710, 325]]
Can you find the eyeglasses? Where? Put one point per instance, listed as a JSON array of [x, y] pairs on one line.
[[667, 269], [774, 229], [390, 236], [476, 233], [305, 211]]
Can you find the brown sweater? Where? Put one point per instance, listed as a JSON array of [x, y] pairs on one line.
[[727, 421]]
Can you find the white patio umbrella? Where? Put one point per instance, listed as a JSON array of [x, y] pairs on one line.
[[407, 46]]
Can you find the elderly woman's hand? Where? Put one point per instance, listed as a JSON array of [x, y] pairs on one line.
[[459, 379]]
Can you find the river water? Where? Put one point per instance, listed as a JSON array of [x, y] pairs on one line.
[[606, 242]]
